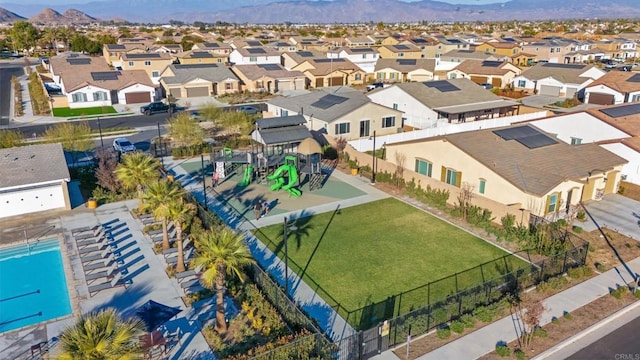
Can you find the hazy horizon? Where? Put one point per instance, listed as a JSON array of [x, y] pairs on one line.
[[71, 2]]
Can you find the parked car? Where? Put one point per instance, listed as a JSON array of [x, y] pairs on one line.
[[487, 86], [375, 85], [123, 145], [157, 107], [248, 109]]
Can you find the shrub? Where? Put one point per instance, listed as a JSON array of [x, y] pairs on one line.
[[443, 332], [520, 355], [457, 326], [619, 292], [567, 315], [636, 294], [539, 332], [502, 349], [555, 320], [483, 314], [581, 215], [468, 321], [577, 229], [575, 273]]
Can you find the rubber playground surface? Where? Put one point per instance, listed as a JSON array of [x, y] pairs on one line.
[[242, 198]]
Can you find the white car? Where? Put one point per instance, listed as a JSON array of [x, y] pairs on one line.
[[123, 145]]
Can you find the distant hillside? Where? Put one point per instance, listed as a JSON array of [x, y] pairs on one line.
[[331, 11], [49, 16], [7, 16]]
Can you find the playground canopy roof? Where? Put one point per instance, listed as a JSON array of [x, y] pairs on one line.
[[283, 135], [309, 146]]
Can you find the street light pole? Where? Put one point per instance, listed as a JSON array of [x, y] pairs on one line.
[[204, 187], [286, 257], [159, 146], [100, 130], [373, 160]]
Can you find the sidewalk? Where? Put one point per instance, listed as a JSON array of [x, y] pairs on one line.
[[483, 341]]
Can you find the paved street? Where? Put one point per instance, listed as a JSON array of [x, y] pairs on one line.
[[7, 71], [623, 341]]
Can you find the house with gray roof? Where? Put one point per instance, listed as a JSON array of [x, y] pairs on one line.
[[197, 80], [425, 104], [33, 178], [403, 70], [563, 80], [363, 57], [271, 78], [338, 112]]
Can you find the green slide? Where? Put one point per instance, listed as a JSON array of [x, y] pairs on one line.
[[248, 173], [293, 178]]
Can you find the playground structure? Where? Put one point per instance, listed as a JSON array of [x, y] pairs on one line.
[[284, 154]]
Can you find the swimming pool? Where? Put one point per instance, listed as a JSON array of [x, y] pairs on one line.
[[33, 288]]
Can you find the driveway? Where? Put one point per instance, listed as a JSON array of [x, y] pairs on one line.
[[615, 212], [545, 102]]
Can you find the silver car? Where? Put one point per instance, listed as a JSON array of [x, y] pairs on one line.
[[123, 145]]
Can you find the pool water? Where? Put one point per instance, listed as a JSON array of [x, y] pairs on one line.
[[33, 288]]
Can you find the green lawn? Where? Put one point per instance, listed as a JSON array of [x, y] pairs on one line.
[[364, 254], [68, 112]]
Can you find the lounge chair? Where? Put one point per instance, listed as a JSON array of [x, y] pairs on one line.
[[174, 259], [100, 246], [185, 245], [89, 241], [189, 283], [85, 236], [96, 256], [193, 289], [98, 265], [108, 273], [185, 274], [115, 282], [85, 229]]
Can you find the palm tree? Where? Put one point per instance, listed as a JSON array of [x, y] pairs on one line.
[[158, 197], [221, 253], [136, 170], [180, 212], [102, 336]]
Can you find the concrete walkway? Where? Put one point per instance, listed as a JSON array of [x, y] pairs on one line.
[[483, 341], [329, 320]]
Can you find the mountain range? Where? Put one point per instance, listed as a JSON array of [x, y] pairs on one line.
[[321, 11]]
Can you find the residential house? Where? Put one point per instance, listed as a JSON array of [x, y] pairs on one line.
[[497, 73], [365, 58], [152, 63], [615, 128], [197, 80], [238, 43], [584, 56], [402, 70], [112, 52], [292, 59], [425, 104], [217, 49], [564, 80], [74, 63], [171, 49], [308, 43], [447, 44], [271, 78], [523, 59], [400, 51], [519, 166], [551, 50], [459, 56], [85, 89], [200, 57], [281, 46], [338, 112], [331, 72], [33, 178], [428, 46], [359, 41], [254, 55], [500, 49], [618, 48], [615, 87]]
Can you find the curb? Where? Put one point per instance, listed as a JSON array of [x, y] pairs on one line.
[[570, 341]]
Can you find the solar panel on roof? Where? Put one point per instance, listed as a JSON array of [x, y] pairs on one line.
[[105, 75], [565, 66], [362, 50], [79, 61], [526, 135], [319, 61], [328, 101], [201, 54], [419, 41], [401, 47], [211, 45], [634, 78], [270, 67], [620, 111], [441, 85], [143, 56], [254, 43], [488, 63], [256, 51], [116, 47], [407, 61], [305, 53]]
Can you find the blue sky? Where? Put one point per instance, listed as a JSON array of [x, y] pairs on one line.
[[65, 2]]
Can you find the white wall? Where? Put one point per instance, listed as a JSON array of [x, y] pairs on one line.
[[529, 84], [581, 126], [632, 169], [415, 113], [88, 91], [236, 58], [32, 200]]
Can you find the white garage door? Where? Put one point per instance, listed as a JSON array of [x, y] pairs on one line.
[[32, 200], [549, 90], [571, 92]]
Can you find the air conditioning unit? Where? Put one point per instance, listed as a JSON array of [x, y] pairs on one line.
[[623, 177]]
